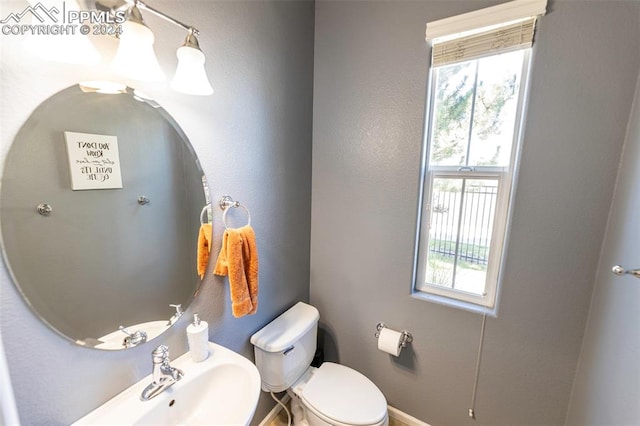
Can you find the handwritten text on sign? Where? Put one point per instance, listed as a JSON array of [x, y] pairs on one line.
[[94, 161]]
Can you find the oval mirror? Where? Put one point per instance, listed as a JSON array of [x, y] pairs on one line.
[[99, 215]]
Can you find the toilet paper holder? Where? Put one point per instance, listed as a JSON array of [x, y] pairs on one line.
[[404, 339]]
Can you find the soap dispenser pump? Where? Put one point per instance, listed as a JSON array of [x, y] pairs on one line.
[[198, 339]]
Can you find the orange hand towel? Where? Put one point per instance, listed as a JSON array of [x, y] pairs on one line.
[[238, 259], [204, 247]]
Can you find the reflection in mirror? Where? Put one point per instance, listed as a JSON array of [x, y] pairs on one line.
[[100, 224]]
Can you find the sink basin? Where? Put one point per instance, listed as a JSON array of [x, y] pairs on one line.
[[222, 390]]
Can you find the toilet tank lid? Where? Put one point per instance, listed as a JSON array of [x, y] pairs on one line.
[[286, 329]]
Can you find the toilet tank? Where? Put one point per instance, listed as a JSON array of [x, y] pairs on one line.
[[285, 347]]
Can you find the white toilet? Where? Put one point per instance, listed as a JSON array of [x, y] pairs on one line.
[[331, 394]]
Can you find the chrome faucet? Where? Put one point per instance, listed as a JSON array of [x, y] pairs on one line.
[[175, 316], [164, 375], [133, 339]]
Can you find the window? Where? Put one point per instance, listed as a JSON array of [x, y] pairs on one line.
[[473, 129]]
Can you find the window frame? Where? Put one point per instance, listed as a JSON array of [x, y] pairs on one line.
[[506, 178]]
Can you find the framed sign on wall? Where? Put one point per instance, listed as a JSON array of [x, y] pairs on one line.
[[94, 161]]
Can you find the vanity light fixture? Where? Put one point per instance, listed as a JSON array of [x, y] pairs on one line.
[[136, 59], [190, 77]]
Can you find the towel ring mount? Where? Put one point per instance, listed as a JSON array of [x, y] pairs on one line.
[[226, 202]]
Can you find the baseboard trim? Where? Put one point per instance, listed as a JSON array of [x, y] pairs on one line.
[[271, 416], [404, 418]]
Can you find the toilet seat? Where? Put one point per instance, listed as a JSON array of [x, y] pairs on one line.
[[344, 396], [326, 421]]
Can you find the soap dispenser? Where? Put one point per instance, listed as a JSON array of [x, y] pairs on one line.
[[198, 339]]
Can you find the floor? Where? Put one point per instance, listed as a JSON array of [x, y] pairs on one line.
[[281, 420]]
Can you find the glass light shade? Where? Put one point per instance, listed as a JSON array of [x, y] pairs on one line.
[[135, 57], [68, 48], [191, 77]]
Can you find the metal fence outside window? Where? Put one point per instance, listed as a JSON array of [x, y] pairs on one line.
[[473, 223]]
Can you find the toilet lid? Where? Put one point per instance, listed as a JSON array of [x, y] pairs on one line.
[[344, 395]]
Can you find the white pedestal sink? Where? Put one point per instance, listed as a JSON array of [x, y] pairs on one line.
[[222, 390]]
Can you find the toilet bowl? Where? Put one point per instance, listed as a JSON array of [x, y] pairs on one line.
[[331, 394]]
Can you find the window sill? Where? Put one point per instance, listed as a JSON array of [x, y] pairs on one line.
[[454, 303]]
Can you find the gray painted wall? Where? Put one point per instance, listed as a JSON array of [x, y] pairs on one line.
[[253, 138], [369, 89], [8, 409], [607, 385]]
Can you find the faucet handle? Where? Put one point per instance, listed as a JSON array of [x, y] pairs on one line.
[[176, 315], [160, 353], [161, 350], [133, 339]]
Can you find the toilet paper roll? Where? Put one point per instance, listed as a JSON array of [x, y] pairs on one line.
[[389, 341]]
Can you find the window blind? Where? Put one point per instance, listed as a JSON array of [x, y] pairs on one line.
[[503, 39]]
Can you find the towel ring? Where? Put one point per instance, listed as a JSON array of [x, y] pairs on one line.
[[204, 210], [224, 215]]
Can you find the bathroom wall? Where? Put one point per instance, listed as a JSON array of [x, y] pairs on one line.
[[253, 138], [371, 64], [607, 385], [8, 409]]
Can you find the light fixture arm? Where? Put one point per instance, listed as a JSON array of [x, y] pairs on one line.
[[166, 17]]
